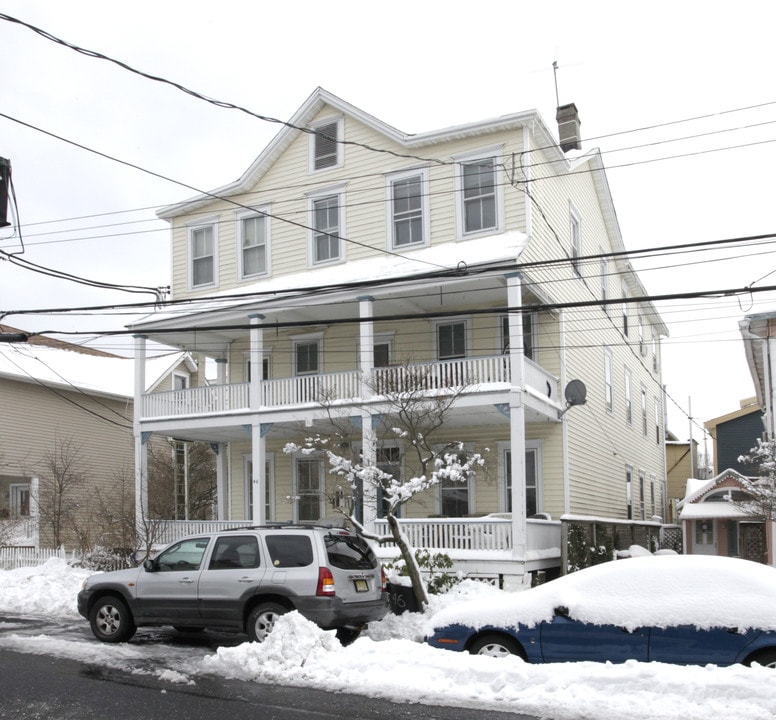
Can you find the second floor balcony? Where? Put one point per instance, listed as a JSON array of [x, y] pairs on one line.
[[474, 375]]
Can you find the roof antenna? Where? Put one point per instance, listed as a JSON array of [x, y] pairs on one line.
[[555, 73]]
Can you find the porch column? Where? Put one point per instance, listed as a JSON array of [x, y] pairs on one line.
[[368, 438], [517, 414], [35, 510], [222, 457], [769, 360], [258, 447], [141, 451]]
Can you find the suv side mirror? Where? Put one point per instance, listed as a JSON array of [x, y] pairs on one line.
[[150, 565]]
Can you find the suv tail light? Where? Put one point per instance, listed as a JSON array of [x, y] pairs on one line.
[[325, 582], [384, 580]]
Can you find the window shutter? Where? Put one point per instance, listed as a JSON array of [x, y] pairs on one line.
[[326, 146]]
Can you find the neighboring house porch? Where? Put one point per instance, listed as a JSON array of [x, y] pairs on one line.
[[719, 518]]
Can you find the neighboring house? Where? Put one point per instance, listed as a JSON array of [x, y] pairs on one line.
[[681, 464], [735, 434], [481, 253], [759, 335], [717, 519], [66, 450]]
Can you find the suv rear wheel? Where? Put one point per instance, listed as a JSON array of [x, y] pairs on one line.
[[262, 620]]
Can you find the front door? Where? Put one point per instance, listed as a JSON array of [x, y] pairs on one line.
[[753, 544], [705, 538]]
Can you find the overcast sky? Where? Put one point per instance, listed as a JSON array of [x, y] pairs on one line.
[[700, 76]]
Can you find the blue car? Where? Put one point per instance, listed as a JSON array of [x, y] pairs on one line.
[[674, 609]]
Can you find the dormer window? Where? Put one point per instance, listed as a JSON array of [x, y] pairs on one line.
[[326, 145]]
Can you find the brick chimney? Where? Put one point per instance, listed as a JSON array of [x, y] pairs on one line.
[[569, 132]]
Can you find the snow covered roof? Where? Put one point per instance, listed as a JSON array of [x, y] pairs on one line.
[[467, 253], [69, 368], [712, 511]]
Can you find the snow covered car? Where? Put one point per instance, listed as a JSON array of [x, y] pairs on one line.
[[241, 580], [684, 609]]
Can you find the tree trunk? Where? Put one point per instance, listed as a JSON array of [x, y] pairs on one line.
[[413, 571]]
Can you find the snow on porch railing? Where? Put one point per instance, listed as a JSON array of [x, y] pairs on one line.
[[306, 389]]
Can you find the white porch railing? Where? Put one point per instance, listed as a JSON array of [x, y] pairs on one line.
[[484, 534], [346, 386]]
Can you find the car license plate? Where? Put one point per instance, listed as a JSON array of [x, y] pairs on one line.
[[361, 585]]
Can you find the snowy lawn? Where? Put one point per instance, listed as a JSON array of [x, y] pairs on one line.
[[390, 662]]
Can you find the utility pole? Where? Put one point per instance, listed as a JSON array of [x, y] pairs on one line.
[[5, 184]]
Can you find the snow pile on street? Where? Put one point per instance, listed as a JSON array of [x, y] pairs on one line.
[[50, 589], [389, 663]]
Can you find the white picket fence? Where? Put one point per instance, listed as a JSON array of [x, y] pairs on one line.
[[12, 558]]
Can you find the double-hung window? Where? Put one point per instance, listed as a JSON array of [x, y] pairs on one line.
[[408, 209], [608, 387], [478, 180], [451, 340], [326, 224], [307, 357], [202, 253], [254, 241]]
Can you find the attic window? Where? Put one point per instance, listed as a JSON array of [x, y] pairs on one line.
[[326, 146]]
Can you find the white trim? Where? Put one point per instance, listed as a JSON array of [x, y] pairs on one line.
[[200, 224], [241, 215], [390, 179], [340, 120], [495, 152]]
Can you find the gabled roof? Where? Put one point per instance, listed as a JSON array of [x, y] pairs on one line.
[[696, 489]]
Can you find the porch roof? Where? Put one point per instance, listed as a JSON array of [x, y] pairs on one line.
[[430, 264], [712, 511]]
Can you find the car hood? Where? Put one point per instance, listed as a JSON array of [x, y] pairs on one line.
[[118, 577]]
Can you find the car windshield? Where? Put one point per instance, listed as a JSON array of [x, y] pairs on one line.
[[349, 552]]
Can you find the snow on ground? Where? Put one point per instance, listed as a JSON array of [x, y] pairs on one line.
[[391, 663]]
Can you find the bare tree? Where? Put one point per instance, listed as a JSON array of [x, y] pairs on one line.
[[182, 480], [62, 474], [417, 403]]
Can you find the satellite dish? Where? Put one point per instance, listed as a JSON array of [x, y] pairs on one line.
[[576, 394]]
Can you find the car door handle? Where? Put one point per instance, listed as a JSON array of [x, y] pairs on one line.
[[245, 579], [187, 580]]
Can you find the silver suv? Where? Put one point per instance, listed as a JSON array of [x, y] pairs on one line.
[[241, 581]]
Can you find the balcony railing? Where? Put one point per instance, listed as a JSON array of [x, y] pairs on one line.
[[473, 373]]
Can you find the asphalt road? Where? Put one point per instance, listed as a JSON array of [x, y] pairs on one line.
[[41, 687]]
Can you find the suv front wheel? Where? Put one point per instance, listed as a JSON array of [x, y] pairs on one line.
[[111, 620], [262, 620]]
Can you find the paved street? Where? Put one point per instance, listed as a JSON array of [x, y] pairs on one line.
[[40, 687]]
